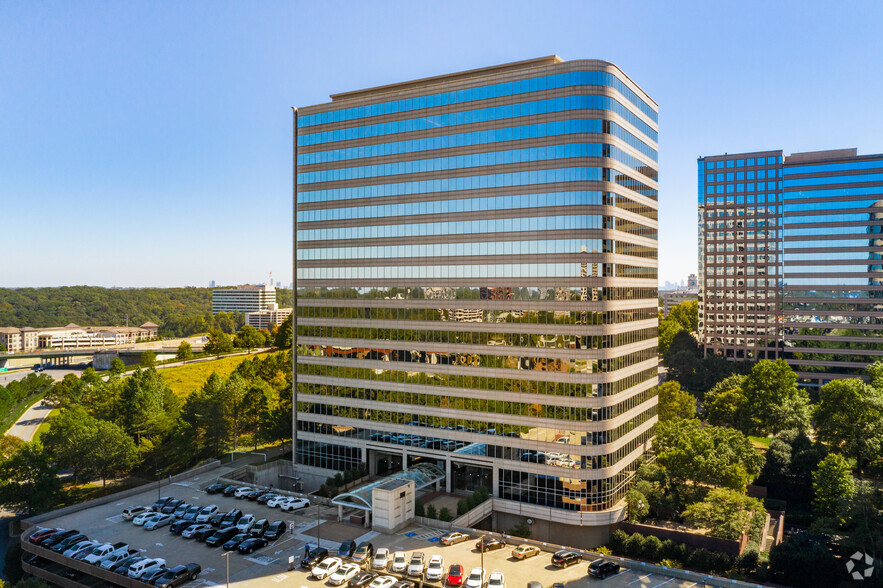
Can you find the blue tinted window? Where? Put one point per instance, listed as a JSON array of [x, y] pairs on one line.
[[751, 161], [720, 177], [709, 178], [770, 160], [751, 175], [709, 165], [720, 189], [761, 174], [720, 165], [729, 176], [740, 163], [740, 187], [834, 180], [740, 175], [730, 188], [827, 167], [729, 163]]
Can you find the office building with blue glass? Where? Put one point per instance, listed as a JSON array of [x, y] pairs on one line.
[[790, 259], [476, 288]]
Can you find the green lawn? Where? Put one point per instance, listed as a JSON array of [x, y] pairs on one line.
[[45, 425], [760, 442], [187, 378]]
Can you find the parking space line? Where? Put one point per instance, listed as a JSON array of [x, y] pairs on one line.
[[661, 583], [691, 585], [639, 578]]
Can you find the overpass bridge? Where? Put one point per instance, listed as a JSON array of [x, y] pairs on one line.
[[63, 357]]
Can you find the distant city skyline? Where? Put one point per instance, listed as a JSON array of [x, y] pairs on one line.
[[149, 145]]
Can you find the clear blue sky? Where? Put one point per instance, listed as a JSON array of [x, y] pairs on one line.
[[149, 143]]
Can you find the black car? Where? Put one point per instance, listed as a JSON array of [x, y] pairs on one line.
[[256, 493], [204, 534], [123, 566], [275, 530], [70, 541], [54, 538], [490, 544], [404, 584], [234, 541], [601, 568], [565, 558], [215, 488], [265, 497], [347, 548], [153, 575], [231, 518], [72, 574], [178, 527], [252, 544], [312, 558], [221, 536], [362, 579], [229, 490], [178, 575], [215, 521], [170, 506], [157, 506]]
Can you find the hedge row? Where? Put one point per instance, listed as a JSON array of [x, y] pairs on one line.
[[651, 548]]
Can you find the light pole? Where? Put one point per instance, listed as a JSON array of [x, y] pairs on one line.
[[226, 557], [318, 525]]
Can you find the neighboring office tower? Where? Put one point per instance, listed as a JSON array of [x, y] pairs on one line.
[[476, 263], [827, 312], [243, 298]]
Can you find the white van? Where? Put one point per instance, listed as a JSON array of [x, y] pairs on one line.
[[139, 569]]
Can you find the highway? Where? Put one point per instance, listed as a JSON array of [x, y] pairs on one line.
[[26, 426]]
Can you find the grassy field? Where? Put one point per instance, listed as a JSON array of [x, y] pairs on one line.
[[45, 425], [761, 443], [186, 378]]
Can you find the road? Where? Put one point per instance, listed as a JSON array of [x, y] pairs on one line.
[[26, 426], [55, 374]]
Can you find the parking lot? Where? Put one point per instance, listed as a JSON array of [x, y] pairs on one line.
[[269, 566]]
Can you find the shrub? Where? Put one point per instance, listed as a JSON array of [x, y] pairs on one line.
[[747, 562], [330, 481], [670, 563], [651, 547], [603, 550], [702, 560], [617, 541], [682, 552], [462, 507], [471, 501], [363, 470], [445, 515], [720, 562], [431, 513], [634, 545], [522, 530], [483, 494], [418, 510], [347, 476], [668, 550], [338, 479]]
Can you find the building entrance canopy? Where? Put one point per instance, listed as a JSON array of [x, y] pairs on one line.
[[423, 475]]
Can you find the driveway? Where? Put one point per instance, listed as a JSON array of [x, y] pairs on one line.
[[26, 426]]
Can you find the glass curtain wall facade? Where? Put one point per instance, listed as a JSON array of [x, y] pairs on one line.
[[476, 261], [823, 214]]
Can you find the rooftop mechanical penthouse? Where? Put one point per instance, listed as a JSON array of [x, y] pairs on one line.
[[476, 266]]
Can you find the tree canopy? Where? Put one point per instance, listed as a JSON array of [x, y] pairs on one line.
[[849, 417], [675, 402]]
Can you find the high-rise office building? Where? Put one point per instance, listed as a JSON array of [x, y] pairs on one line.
[[789, 261], [244, 298], [476, 261]]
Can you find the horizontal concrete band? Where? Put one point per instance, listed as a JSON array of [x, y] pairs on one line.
[[530, 375], [515, 328], [474, 349], [502, 281], [537, 258], [475, 303], [498, 395]]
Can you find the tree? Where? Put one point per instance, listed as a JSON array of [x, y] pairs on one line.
[[30, 481], [686, 314], [774, 400], [833, 486], [2, 348], [728, 409], [803, 560], [667, 331], [727, 513], [849, 417], [522, 529], [68, 442], [218, 342], [248, 338], [284, 333], [717, 456], [117, 367], [776, 471], [148, 358], [185, 351], [638, 505], [254, 408], [675, 402], [683, 341], [111, 451], [9, 445], [234, 393], [147, 405]]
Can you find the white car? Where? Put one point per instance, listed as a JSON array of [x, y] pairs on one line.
[[399, 562], [343, 574], [139, 520], [436, 568], [294, 504], [382, 582], [245, 523], [190, 531], [496, 580], [277, 501], [476, 578], [133, 511], [242, 491], [160, 521], [140, 568], [326, 567], [98, 552], [417, 564], [207, 513], [79, 546], [381, 559]]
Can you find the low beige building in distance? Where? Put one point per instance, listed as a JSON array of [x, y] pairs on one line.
[[73, 336], [264, 319]]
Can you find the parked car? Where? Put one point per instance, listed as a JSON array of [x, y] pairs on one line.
[[66, 542], [181, 510], [313, 557], [131, 512], [362, 579], [399, 562], [55, 538], [206, 532], [99, 553], [259, 528], [141, 519], [404, 584], [38, 536], [150, 576], [170, 506], [231, 518], [601, 568], [80, 547], [206, 513], [455, 575], [417, 564], [139, 569], [453, 538], [477, 578], [565, 558], [191, 513], [234, 541], [245, 524], [325, 568], [275, 530], [215, 488], [265, 498], [277, 500], [221, 536], [251, 544], [382, 582], [490, 544], [178, 575], [347, 548], [161, 502], [525, 551], [191, 531], [496, 580], [435, 570], [112, 560], [255, 494], [364, 553], [160, 521], [381, 559], [231, 489], [178, 527], [294, 504], [215, 520], [242, 491], [343, 574], [125, 564]]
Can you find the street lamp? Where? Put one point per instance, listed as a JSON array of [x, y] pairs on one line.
[[226, 557], [318, 525]]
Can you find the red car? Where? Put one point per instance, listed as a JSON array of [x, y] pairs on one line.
[[455, 575]]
